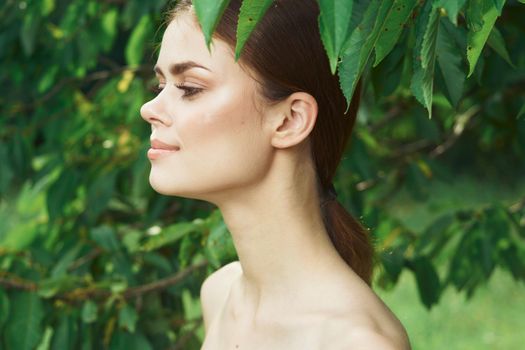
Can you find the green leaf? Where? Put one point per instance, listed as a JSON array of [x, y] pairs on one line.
[[250, 14], [99, 194], [89, 311], [394, 24], [521, 113], [24, 327], [169, 235], [450, 61], [209, 13], [334, 22], [4, 307], [61, 192], [428, 283], [497, 43], [45, 343], [105, 237], [135, 47], [452, 7], [499, 5], [422, 83], [127, 318], [30, 25], [486, 14], [219, 247], [65, 334], [358, 48], [123, 340]]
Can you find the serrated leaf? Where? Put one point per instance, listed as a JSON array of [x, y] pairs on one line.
[[486, 14], [394, 24], [422, 83], [250, 14], [24, 328], [452, 7], [209, 13], [140, 35], [497, 43], [334, 23], [450, 61], [357, 49]]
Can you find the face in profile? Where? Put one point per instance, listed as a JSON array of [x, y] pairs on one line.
[[208, 133]]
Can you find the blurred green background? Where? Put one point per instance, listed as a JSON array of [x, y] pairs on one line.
[[91, 257]]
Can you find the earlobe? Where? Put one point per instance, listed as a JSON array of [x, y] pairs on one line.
[[297, 116]]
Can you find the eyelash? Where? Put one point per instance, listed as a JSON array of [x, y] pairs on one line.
[[189, 91]]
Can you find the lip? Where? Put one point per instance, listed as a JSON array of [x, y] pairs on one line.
[[159, 149]]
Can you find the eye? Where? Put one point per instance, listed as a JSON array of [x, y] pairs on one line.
[[188, 90]]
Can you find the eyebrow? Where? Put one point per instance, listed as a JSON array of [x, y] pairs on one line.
[[179, 68]]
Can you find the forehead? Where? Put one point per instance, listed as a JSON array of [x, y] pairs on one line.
[[184, 41]]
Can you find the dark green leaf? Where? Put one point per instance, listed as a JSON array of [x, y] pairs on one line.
[[422, 83], [24, 328], [452, 7], [250, 14], [105, 237], [496, 42], [334, 23], [427, 279], [450, 61], [394, 24]]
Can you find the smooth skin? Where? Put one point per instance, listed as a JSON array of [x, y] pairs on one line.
[[290, 288]]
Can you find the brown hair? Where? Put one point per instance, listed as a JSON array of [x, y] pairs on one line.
[[286, 53]]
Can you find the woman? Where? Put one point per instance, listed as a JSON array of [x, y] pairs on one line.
[[261, 138]]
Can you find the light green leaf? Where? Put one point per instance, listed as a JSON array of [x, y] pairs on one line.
[[497, 43], [45, 343], [169, 235], [127, 318], [250, 14], [334, 22], [449, 59], [394, 24], [209, 13], [476, 39], [89, 311], [522, 111], [422, 83], [141, 34], [452, 7], [24, 328]]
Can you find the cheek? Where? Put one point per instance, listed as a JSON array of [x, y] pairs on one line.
[[223, 133]]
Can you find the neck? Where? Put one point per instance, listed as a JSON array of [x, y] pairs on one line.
[[280, 238]]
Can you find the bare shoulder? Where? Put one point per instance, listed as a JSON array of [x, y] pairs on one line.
[[362, 332], [215, 290]]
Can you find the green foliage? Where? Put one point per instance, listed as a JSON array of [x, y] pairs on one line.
[[91, 257]]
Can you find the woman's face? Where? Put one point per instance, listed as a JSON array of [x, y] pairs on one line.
[[206, 112]]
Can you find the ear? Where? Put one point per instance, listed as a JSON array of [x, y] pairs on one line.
[[293, 120]]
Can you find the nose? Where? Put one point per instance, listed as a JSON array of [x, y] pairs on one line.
[[154, 112]]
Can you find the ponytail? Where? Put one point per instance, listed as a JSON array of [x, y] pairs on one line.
[[349, 238]]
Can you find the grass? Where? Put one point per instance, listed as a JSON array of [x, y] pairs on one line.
[[494, 318]]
